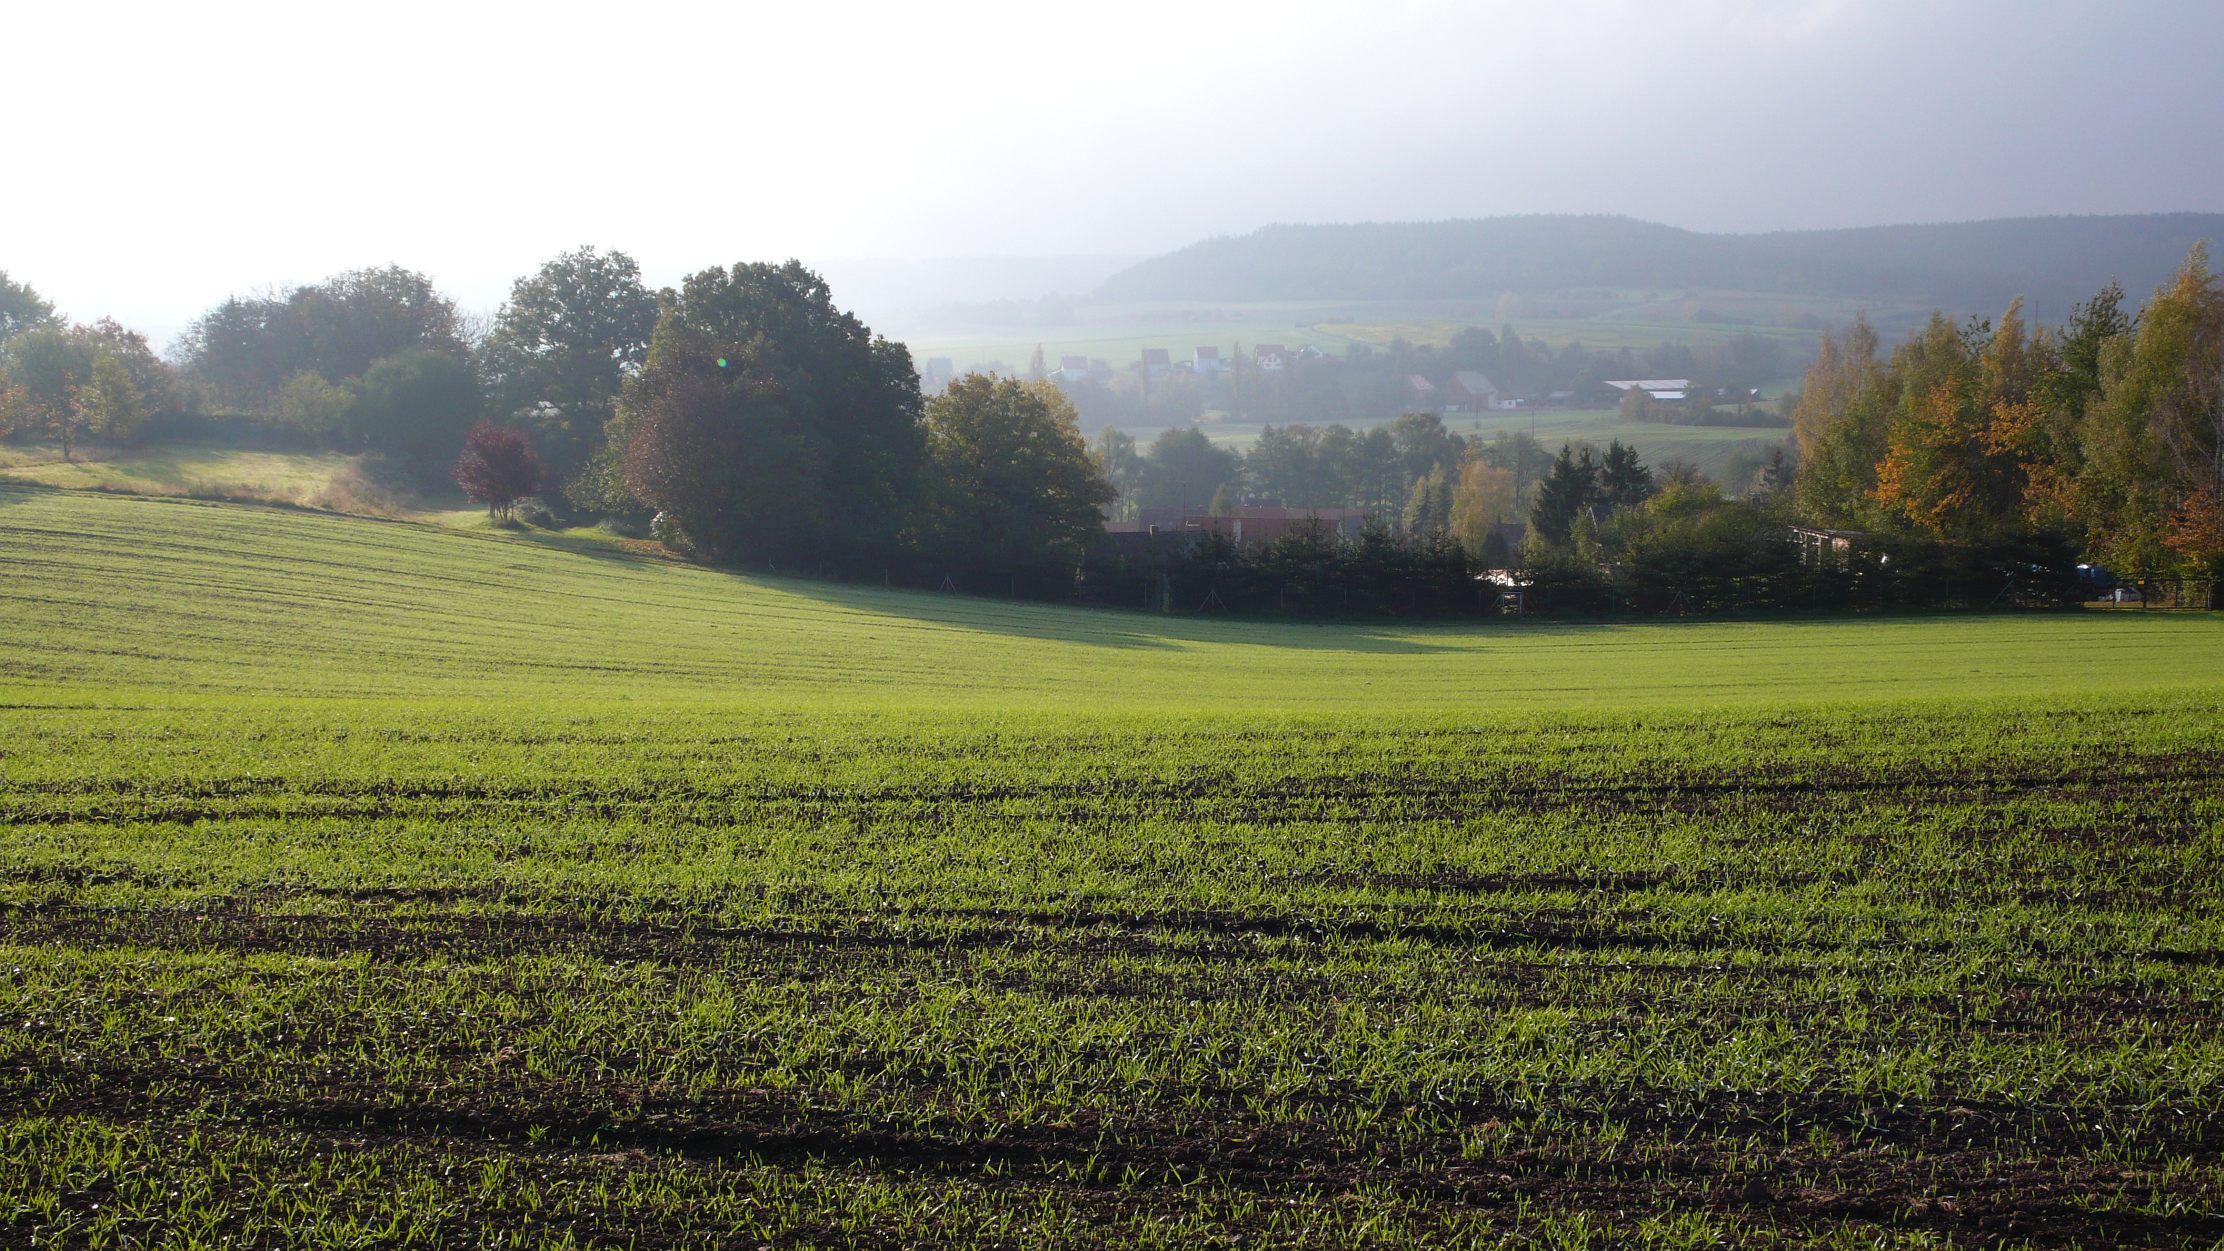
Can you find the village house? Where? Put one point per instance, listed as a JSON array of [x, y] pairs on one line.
[[1157, 363], [1271, 357], [1207, 362]]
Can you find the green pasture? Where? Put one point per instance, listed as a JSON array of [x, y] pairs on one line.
[[374, 883], [1636, 320]]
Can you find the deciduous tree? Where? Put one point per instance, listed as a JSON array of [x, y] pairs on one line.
[[110, 402], [498, 467], [563, 345], [808, 423], [1013, 483], [21, 308]]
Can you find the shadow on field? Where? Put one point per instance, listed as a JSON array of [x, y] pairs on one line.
[[612, 549], [1094, 626], [12, 492]]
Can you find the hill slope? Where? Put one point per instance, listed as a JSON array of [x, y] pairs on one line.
[[153, 594], [1979, 266]]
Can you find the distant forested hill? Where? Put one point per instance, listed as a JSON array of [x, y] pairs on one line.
[[1967, 266]]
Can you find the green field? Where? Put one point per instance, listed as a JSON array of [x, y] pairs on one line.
[[1118, 333], [370, 883], [180, 469]]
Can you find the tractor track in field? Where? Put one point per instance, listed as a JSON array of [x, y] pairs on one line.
[[1975, 1171]]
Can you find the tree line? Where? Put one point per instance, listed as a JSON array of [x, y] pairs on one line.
[[742, 411], [2105, 434]]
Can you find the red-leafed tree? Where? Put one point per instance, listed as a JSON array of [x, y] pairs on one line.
[[498, 467]]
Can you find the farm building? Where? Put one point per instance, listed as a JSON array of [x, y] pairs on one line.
[[1667, 390], [1470, 392]]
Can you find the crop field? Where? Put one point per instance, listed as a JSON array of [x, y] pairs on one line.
[[368, 883]]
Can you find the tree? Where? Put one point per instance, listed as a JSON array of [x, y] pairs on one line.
[[772, 424], [1224, 502], [1843, 365], [150, 375], [1014, 486], [1428, 507], [1568, 492], [354, 319], [46, 365], [1423, 443], [110, 402], [563, 345], [241, 352], [1623, 480], [310, 404], [1484, 498], [498, 467], [1121, 465], [21, 308], [1184, 469], [416, 405], [722, 456], [2153, 440]]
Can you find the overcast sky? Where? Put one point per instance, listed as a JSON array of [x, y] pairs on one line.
[[164, 155]]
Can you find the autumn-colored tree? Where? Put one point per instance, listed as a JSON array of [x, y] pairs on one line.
[[1844, 365], [2196, 529], [1484, 497], [498, 467], [2152, 442]]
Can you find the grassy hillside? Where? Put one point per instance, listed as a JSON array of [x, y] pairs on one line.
[[188, 596], [373, 883]]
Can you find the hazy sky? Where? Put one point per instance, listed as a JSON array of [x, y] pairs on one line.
[[165, 154]]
